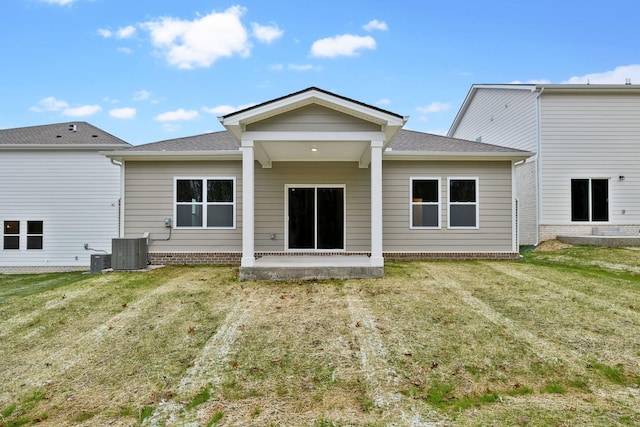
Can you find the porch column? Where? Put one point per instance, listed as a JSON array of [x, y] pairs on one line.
[[248, 251], [376, 204]]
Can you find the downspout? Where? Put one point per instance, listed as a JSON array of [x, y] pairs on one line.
[[121, 201], [538, 164]]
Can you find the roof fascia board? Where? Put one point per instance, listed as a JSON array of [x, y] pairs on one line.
[[60, 147], [444, 155], [313, 136], [174, 155], [310, 97]]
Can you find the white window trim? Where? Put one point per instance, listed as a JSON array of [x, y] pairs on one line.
[[476, 203], [27, 235], [590, 201], [412, 203], [204, 203], [21, 247], [315, 218]]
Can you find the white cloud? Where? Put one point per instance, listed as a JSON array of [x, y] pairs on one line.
[[85, 110], [618, 75], [532, 82], [123, 113], [266, 33], [199, 43], [180, 114], [49, 104], [105, 33], [276, 67], [383, 101], [343, 45], [126, 32], [301, 67], [434, 107], [125, 50], [222, 110], [141, 95], [376, 25], [58, 2]]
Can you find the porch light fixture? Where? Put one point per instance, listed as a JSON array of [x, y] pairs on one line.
[[314, 149], [621, 177]]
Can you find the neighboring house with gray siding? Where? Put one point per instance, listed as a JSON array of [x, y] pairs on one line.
[[587, 144], [58, 192], [315, 173]]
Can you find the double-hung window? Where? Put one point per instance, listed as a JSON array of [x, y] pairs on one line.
[[11, 235], [205, 202], [425, 203], [589, 200], [463, 203], [11, 231], [34, 234]]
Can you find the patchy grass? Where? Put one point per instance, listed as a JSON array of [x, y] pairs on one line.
[[549, 341]]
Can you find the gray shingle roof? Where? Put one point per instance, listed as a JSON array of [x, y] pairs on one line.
[[215, 141], [59, 135], [407, 140], [404, 141]]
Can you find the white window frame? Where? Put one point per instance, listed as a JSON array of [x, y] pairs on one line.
[[33, 235], [204, 202], [450, 203], [412, 203], [315, 216], [19, 235]]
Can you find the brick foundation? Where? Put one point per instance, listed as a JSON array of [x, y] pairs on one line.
[[549, 232], [234, 258]]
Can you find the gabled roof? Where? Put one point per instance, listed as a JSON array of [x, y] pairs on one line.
[[302, 92], [405, 145], [541, 88], [390, 122], [59, 136]]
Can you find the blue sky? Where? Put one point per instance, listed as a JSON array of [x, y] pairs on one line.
[[149, 70]]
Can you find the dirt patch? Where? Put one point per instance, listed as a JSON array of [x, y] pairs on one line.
[[552, 246]]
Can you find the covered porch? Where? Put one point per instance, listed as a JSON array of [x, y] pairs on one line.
[[312, 127]]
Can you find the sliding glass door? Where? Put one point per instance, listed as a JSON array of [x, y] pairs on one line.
[[316, 217]]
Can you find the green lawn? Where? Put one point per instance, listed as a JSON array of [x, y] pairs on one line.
[[552, 340]]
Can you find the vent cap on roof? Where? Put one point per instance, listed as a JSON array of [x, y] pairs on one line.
[[73, 127]]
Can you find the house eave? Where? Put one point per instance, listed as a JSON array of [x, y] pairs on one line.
[[59, 147], [444, 155], [174, 155]]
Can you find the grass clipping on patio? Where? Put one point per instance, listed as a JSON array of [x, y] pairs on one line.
[[552, 340]]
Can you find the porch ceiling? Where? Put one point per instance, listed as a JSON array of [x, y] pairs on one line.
[[311, 151]]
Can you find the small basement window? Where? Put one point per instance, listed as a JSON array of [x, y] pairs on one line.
[[11, 231], [35, 234]]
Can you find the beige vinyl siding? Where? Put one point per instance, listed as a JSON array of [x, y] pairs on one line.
[[270, 200], [505, 117], [74, 193], [149, 198], [313, 118], [495, 204], [590, 136]]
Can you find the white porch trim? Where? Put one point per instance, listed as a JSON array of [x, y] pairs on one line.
[[377, 259], [248, 205]]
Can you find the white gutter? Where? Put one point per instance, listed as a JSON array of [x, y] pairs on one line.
[[174, 155], [121, 204], [448, 155], [538, 164]]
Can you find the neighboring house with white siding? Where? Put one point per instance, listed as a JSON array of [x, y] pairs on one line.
[[58, 193], [585, 173], [315, 173]]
